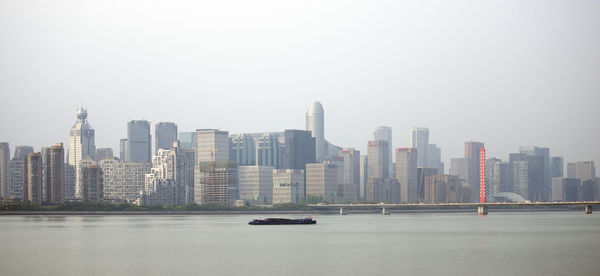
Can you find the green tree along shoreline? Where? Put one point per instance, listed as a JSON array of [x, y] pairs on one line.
[[107, 207]]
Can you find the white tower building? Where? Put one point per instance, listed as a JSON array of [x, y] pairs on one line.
[[315, 123], [81, 145]]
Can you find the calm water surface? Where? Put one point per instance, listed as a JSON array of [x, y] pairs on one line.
[[537, 243]]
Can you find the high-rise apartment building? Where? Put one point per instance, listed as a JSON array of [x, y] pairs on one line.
[[377, 152], [4, 160], [186, 161], [54, 174], [299, 149], [384, 133], [123, 181], [81, 144], [321, 182], [92, 183], [22, 151], [104, 153], [255, 184], [419, 139], [165, 134], [33, 179], [139, 141], [288, 186], [316, 125], [15, 177], [407, 174]]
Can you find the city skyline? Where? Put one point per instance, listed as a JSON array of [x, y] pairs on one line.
[[507, 79], [363, 148]]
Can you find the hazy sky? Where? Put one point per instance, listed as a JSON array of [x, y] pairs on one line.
[[507, 73]]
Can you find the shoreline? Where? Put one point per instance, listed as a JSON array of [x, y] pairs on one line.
[[250, 212]]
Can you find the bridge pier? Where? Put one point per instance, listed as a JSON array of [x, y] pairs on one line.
[[588, 209], [385, 211], [342, 211], [482, 210]]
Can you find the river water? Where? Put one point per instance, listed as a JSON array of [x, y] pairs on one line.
[[510, 243]]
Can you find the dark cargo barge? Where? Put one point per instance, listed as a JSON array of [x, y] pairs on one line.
[[277, 221]]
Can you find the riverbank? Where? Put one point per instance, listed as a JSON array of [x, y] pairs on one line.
[[264, 212]]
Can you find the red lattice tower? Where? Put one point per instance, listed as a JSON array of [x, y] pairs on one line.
[[482, 176]]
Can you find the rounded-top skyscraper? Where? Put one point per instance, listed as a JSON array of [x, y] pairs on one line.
[[315, 123]]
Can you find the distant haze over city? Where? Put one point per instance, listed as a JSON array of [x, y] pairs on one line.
[[525, 74]]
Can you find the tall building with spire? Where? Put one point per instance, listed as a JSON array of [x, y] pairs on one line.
[[81, 144], [315, 124]]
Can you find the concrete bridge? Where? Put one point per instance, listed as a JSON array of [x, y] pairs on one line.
[[482, 208]]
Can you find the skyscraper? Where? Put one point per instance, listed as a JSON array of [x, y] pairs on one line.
[[528, 176], [351, 185], [364, 177], [585, 170], [419, 139], [407, 174], [473, 155], [22, 151], [213, 145], [32, 184], [384, 133], [434, 158], [165, 133], [270, 151], [557, 164], [188, 140], [498, 176], [378, 159], [299, 149], [544, 153], [122, 150], [4, 160], [54, 180], [81, 144], [215, 177], [242, 149], [139, 141], [316, 125]]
